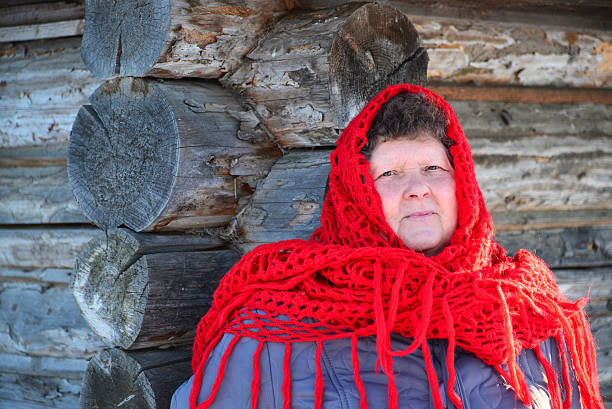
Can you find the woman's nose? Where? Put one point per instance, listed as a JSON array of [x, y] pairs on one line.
[[415, 187]]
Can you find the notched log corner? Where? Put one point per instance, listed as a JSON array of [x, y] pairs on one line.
[[172, 38], [138, 290], [176, 155], [127, 379], [316, 69]]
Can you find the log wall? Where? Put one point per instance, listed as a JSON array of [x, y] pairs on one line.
[[533, 93], [44, 341]]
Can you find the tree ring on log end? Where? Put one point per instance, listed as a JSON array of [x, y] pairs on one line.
[[377, 46], [123, 154], [110, 286], [114, 379], [122, 39]]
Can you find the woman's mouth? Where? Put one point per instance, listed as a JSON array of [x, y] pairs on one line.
[[419, 215]]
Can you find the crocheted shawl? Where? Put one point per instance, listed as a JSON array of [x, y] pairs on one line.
[[355, 278]]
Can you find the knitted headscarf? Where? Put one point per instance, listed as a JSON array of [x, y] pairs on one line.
[[355, 278]]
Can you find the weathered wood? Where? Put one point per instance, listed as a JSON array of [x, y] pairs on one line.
[[498, 53], [42, 86], [165, 156], [315, 70], [36, 194], [139, 380], [38, 13], [43, 247], [139, 290], [595, 284], [173, 39], [567, 14], [42, 319], [41, 31], [51, 276], [291, 116], [68, 368], [30, 382], [529, 123], [287, 204], [548, 95], [9, 403]]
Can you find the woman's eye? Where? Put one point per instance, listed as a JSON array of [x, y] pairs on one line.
[[387, 173], [433, 167]]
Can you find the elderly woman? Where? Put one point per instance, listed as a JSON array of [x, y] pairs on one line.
[[401, 298]]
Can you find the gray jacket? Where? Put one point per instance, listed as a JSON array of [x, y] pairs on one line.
[[478, 384]]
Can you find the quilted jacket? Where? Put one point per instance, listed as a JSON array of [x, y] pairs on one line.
[[478, 385]]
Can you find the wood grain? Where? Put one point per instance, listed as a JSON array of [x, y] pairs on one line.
[[176, 155], [42, 319], [146, 379], [41, 31], [43, 247], [565, 14], [139, 290], [315, 70], [42, 86], [172, 39]]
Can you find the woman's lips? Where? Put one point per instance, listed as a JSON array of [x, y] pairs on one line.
[[419, 215]]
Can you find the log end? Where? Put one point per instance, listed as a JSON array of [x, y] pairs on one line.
[[110, 287], [377, 46], [123, 154], [142, 380], [120, 39]]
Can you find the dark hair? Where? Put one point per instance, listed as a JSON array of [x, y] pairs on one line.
[[407, 115]]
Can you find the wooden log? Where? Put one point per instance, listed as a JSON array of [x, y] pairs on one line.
[[48, 276], [497, 53], [46, 247], [195, 39], [42, 319], [141, 290], [31, 191], [39, 382], [288, 202], [38, 13], [171, 155], [41, 31], [505, 93], [294, 115], [42, 86], [69, 368], [127, 379], [315, 70], [566, 14]]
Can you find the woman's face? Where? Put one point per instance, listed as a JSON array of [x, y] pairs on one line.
[[416, 184]]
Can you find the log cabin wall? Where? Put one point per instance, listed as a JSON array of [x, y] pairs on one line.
[[531, 84]]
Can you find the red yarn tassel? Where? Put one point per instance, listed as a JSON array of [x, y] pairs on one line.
[[199, 373], [256, 374], [421, 328], [551, 378], [319, 384], [220, 373], [450, 358], [391, 387], [517, 380], [566, 373], [394, 300], [358, 381], [432, 377], [287, 377]]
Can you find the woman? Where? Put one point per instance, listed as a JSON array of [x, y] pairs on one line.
[[402, 276]]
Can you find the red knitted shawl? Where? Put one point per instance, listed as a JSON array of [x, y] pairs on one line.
[[355, 278]]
